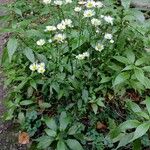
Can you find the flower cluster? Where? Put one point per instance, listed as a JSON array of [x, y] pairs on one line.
[[57, 2], [83, 55], [40, 68]]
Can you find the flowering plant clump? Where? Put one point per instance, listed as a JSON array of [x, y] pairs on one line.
[[70, 66]]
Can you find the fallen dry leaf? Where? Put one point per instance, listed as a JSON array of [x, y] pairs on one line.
[[100, 126], [23, 138]]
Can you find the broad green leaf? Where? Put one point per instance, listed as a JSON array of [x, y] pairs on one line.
[[141, 130], [131, 56], [61, 145], [122, 77], [100, 102], [125, 3], [143, 114], [50, 122], [44, 105], [137, 145], [133, 106], [26, 102], [50, 132], [148, 104], [139, 74], [85, 95], [21, 117], [146, 68], [74, 144], [121, 59], [129, 124], [64, 121], [95, 108], [29, 54], [125, 139], [44, 142], [140, 61], [130, 67], [12, 47]]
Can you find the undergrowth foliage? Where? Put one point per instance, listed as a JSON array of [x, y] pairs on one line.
[[70, 67]]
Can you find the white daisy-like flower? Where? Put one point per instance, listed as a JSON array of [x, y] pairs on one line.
[[58, 2], [41, 70], [108, 36], [50, 28], [61, 26], [111, 41], [77, 9], [99, 47], [50, 41], [59, 37], [33, 67], [40, 42], [68, 1], [99, 4], [109, 19], [81, 2], [82, 56], [67, 22], [95, 22], [86, 54], [46, 1], [88, 13], [90, 4]]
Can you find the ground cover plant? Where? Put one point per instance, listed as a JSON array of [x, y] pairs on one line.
[[78, 74]]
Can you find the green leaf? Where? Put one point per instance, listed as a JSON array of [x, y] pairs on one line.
[[141, 130], [26, 102], [131, 56], [148, 104], [139, 74], [95, 108], [61, 145], [99, 102], [12, 47], [29, 54], [122, 77], [146, 68], [125, 3], [125, 139], [121, 59], [44, 105], [50, 132], [129, 124], [44, 142], [137, 145], [74, 144], [85, 95], [21, 117], [64, 121], [50, 122], [133, 106]]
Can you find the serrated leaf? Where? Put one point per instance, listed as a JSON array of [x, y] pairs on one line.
[[121, 59], [131, 56], [139, 74], [61, 145], [74, 144], [133, 106], [85, 95], [12, 47], [29, 54], [50, 132]]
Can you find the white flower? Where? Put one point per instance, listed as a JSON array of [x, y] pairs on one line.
[[68, 1], [81, 2], [102, 16], [109, 19], [50, 41], [108, 36], [95, 22], [46, 1], [111, 41], [67, 22], [83, 56], [99, 47], [90, 4], [61, 26], [89, 13], [50, 28], [58, 2], [40, 42], [59, 37], [33, 67], [77, 9], [41, 70], [99, 4]]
